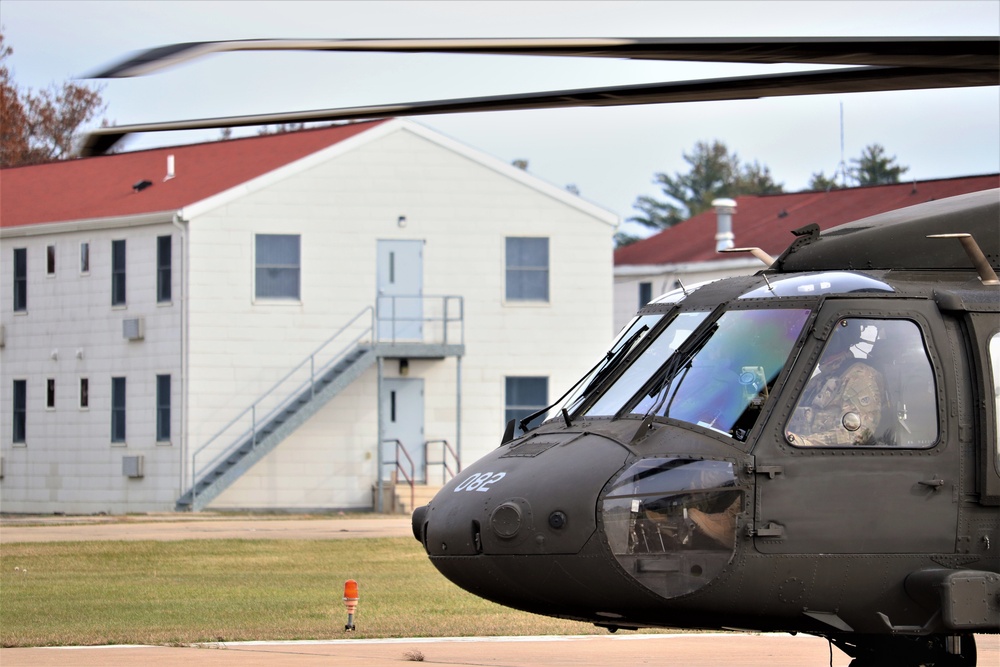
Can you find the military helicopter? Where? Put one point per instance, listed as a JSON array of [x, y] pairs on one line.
[[812, 449]]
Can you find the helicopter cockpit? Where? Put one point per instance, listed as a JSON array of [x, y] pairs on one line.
[[672, 520]]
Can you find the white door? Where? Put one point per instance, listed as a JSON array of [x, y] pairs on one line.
[[403, 421], [400, 289]]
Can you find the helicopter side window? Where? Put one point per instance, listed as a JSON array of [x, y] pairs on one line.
[[873, 387], [995, 367]]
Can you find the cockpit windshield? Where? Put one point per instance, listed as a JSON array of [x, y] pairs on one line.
[[627, 340], [716, 375], [654, 356]]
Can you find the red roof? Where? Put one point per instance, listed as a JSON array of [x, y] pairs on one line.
[[766, 221], [101, 187]]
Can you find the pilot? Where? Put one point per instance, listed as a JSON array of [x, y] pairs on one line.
[[842, 403]]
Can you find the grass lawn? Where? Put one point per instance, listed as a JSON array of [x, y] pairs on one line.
[[82, 593]]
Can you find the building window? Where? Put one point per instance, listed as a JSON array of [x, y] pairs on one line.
[[85, 257], [50, 260], [645, 293], [162, 408], [527, 269], [278, 266], [117, 409], [20, 410], [118, 273], [50, 393], [84, 393], [163, 273], [523, 396], [20, 280]]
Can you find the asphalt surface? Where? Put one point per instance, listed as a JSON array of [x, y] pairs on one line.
[[680, 650]]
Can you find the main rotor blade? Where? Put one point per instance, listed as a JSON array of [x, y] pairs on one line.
[[850, 80], [940, 52]]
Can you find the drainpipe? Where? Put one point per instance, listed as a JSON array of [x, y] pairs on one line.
[[724, 210], [381, 434], [180, 224]]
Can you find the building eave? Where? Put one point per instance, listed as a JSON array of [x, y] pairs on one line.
[[633, 270], [60, 227]]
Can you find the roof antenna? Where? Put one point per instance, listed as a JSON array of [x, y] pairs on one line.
[[842, 167], [768, 282]]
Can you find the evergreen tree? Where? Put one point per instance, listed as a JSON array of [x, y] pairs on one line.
[[714, 172], [874, 167]]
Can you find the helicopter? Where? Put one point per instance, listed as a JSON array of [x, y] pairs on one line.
[[813, 448]]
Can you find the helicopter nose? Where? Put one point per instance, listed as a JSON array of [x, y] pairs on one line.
[[535, 496], [512, 527], [417, 522]]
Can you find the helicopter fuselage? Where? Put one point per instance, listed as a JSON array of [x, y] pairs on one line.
[[715, 471]]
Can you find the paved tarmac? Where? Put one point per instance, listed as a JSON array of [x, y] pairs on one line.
[[679, 650], [582, 651], [197, 527]]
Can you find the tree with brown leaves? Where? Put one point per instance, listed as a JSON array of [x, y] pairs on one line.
[[43, 126]]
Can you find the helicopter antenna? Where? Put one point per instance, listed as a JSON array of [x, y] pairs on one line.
[[756, 252], [769, 288], [986, 273], [842, 167], [680, 283]]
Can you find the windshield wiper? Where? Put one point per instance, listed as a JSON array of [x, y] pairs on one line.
[[611, 360], [679, 361]]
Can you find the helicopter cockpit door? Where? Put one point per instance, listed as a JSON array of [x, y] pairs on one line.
[[861, 457]]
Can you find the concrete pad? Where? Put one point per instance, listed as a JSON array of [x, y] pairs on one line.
[[679, 650], [53, 530], [682, 650]]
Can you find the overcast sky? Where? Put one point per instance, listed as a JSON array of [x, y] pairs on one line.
[[610, 154]]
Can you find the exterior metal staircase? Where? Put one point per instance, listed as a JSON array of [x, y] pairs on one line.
[[262, 439], [296, 397]]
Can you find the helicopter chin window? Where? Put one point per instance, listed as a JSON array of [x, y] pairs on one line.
[[672, 522]]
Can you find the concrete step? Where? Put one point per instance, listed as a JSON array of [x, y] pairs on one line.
[[422, 494]]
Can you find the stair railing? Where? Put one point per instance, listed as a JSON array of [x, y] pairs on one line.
[[260, 412], [447, 471], [410, 476], [428, 318]]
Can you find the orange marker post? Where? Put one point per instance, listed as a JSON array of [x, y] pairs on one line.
[[351, 602]]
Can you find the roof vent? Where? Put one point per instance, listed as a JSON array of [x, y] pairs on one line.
[[724, 210], [141, 185]]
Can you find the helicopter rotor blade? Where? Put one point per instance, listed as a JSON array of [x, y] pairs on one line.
[[846, 80], [940, 52]]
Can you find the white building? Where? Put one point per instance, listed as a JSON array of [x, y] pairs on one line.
[[151, 299]]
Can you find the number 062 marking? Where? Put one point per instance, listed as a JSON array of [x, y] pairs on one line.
[[481, 482]]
